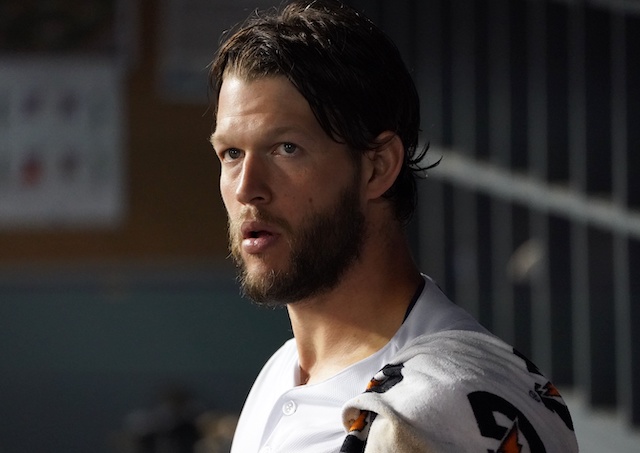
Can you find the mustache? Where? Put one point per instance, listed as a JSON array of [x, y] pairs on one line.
[[234, 227], [249, 213]]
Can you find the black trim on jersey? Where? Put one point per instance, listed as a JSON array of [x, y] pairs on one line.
[[414, 299]]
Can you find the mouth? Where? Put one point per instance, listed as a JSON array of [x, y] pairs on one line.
[[257, 237], [255, 230]]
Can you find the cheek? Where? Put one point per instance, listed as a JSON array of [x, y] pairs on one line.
[[226, 192]]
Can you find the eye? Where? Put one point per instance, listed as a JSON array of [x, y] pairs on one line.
[[232, 154], [287, 149]]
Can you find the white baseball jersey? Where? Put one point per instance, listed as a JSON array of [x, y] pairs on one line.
[[441, 384]]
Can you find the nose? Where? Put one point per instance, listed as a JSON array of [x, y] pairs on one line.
[[252, 184]]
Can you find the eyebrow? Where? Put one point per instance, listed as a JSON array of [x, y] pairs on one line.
[[275, 132]]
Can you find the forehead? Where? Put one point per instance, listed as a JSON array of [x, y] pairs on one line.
[[241, 96]]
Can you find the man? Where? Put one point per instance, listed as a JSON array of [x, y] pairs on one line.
[[316, 128]]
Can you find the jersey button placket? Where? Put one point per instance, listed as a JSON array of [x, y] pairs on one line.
[[289, 408]]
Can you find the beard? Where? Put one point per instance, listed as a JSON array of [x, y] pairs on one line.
[[322, 249]]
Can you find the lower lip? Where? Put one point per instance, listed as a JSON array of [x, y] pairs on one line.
[[259, 244]]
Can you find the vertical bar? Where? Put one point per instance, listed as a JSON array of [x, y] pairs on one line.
[[449, 242], [428, 79], [618, 108], [623, 316], [428, 69], [542, 343], [463, 74], [520, 224], [499, 144], [537, 87], [484, 250], [602, 354], [465, 257], [622, 297], [619, 183], [463, 127], [577, 166], [602, 364], [482, 92], [398, 21], [482, 152], [518, 53], [557, 171], [559, 263], [432, 255]]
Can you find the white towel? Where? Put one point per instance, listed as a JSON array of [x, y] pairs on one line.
[[458, 391]]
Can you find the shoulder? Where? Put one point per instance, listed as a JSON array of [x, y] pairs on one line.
[[461, 390], [460, 355], [455, 367], [433, 312], [447, 365]]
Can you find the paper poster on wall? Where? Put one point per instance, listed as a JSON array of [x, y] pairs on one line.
[[61, 144], [62, 65]]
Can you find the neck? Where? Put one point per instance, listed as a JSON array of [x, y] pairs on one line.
[[359, 316]]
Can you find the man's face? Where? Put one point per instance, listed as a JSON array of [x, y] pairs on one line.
[[293, 195]]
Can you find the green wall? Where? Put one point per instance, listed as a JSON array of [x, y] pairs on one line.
[[81, 349]]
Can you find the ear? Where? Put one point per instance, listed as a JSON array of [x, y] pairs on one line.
[[382, 164]]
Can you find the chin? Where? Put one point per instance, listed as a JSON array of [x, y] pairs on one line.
[[260, 272]]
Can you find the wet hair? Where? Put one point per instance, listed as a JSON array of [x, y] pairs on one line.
[[348, 70]]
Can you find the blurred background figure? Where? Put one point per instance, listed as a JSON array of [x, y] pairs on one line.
[[179, 423], [168, 427], [217, 432]]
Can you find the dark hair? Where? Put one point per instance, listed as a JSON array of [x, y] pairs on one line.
[[348, 70]]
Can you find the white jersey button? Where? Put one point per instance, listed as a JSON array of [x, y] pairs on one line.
[[289, 408]]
